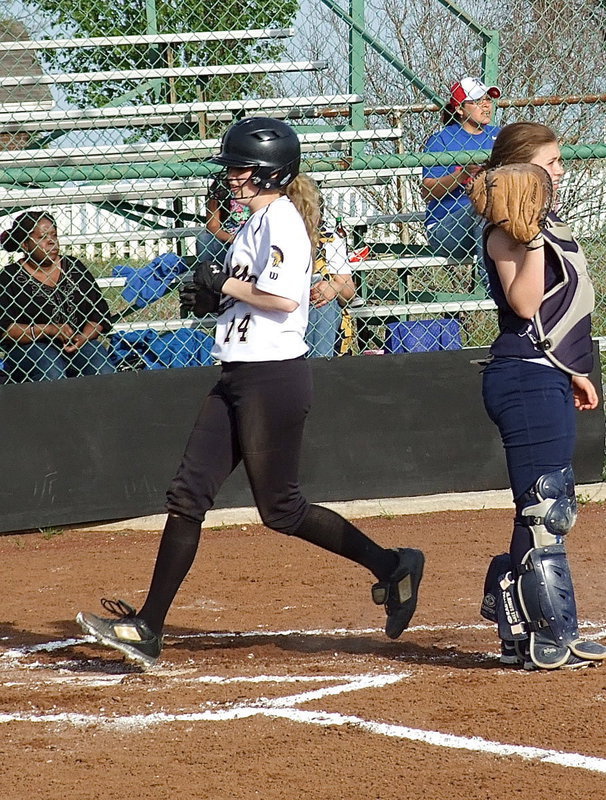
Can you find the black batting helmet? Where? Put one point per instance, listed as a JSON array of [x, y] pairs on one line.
[[270, 145]]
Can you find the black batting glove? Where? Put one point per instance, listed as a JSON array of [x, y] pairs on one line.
[[194, 299], [196, 295], [210, 277], [187, 299]]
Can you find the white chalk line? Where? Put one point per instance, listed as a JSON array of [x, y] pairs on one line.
[[13, 656], [285, 708], [16, 653]]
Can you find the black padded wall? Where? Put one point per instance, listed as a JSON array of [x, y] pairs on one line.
[[103, 448]]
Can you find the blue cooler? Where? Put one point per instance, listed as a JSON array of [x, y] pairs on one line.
[[423, 335]]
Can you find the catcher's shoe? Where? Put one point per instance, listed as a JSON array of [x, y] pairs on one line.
[[128, 633], [399, 593], [522, 648], [572, 662]]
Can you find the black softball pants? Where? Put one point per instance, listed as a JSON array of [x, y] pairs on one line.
[[255, 414]]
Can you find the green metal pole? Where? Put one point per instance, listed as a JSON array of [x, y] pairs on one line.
[[151, 27], [457, 12], [201, 169], [385, 52], [490, 58], [357, 71], [490, 62]]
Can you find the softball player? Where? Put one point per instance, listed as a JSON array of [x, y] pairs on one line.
[[537, 374], [257, 410]]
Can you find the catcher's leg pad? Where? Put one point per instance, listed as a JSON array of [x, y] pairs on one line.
[[510, 619], [500, 605], [546, 598], [498, 566]]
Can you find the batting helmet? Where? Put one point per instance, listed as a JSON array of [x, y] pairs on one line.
[[270, 145]]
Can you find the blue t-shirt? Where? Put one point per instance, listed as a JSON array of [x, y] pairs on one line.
[[453, 138]]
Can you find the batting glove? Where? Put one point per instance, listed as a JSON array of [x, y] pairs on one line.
[[196, 294], [210, 277]]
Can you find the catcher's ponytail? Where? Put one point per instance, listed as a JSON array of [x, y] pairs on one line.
[[517, 143]]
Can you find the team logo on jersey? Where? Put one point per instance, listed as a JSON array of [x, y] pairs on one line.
[[277, 258]]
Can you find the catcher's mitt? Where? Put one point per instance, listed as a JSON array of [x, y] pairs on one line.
[[516, 197]]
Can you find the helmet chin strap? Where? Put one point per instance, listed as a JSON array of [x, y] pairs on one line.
[[241, 196], [260, 183], [238, 194]]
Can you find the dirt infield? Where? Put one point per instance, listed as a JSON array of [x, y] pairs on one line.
[[276, 682]]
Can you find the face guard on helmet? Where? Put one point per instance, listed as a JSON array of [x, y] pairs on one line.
[[270, 146]]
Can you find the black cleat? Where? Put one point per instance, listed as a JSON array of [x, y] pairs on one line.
[[572, 662], [128, 633], [399, 593], [592, 651]]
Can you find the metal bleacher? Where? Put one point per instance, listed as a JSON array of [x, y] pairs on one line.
[[153, 180], [167, 171]]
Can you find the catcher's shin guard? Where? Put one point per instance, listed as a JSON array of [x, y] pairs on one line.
[[544, 584], [497, 567], [500, 605]]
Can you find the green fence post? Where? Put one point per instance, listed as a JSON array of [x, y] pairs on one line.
[[356, 57], [490, 60], [151, 27]]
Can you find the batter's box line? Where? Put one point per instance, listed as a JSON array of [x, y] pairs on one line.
[[17, 653], [598, 627], [285, 708]]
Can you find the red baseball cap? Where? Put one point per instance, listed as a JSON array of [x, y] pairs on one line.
[[471, 89]]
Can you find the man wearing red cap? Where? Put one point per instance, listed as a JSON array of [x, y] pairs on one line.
[[453, 228]]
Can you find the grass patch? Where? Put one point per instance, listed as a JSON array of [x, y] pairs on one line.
[[49, 533]]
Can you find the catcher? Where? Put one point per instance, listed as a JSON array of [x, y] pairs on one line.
[[535, 378]]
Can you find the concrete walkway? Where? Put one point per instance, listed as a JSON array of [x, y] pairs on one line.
[[356, 509]]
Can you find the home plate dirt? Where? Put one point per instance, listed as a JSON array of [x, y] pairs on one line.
[[277, 682]]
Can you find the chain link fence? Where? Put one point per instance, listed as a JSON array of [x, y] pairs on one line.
[[107, 112]]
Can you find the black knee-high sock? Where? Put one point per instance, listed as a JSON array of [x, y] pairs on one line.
[[176, 554], [332, 532]]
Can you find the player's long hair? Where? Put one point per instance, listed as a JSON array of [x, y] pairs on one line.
[[517, 143], [304, 194]]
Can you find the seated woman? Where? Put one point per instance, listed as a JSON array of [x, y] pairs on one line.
[[224, 218], [454, 230], [51, 310]]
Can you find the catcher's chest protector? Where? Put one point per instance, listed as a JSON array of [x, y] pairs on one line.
[[563, 322], [561, 329]]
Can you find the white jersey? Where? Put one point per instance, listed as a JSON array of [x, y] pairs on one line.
[[272, 250]]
